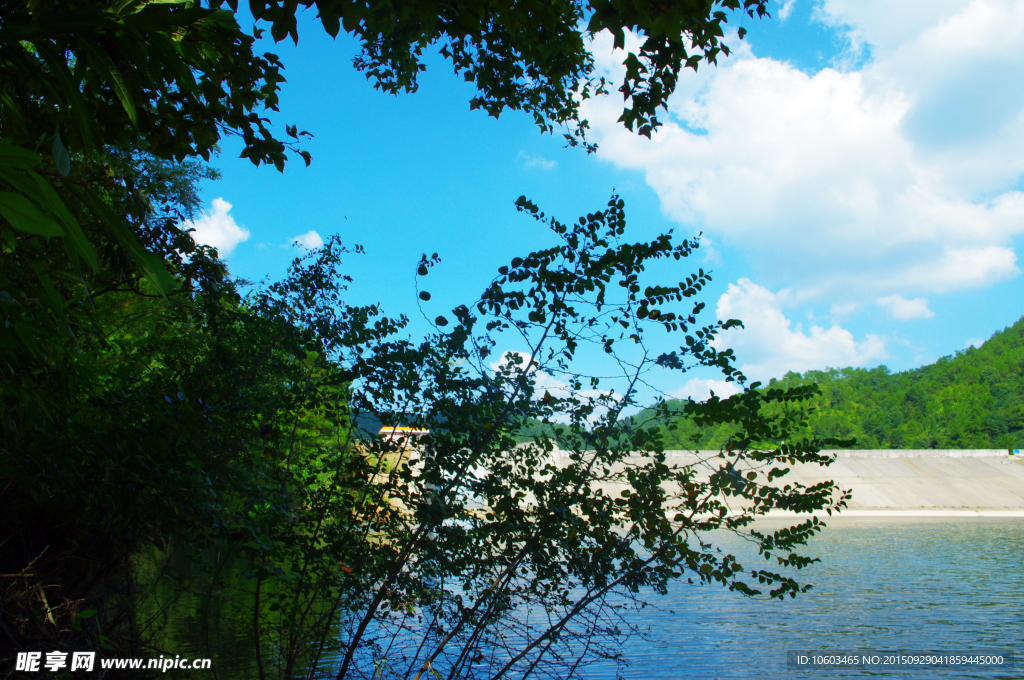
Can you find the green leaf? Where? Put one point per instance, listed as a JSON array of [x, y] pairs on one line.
[[86, 614], [12, 156], [19, 181], [151, 265], [13, 111], [61, 159], [50, 294], [170, 55], [26, 332], [41, 191], [69, 86], [104, 64], [126, 7], [331, 24], [23, 215], [56, 206]]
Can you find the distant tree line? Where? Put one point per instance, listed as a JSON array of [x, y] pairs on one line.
[[971, 400]]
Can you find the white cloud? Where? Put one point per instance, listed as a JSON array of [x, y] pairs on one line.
[[531, 160], [883, 24], [310, 240], [839, 311], [899, 175], [700, 389], [217, 228], [898, 307], [786, 9], [957, 269], [770, 345], [974, 342]]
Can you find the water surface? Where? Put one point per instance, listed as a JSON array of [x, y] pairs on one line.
[[910, 585]]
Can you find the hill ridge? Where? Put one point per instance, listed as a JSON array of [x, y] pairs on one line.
[[972, 399]]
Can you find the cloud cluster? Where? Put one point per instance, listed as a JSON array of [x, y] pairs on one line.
[[858, 185], [899, 307], [311, 240], [532, 160], [217, 228], [769, 345], [700, 389]]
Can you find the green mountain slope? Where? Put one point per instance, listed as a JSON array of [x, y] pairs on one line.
[[973, 399]]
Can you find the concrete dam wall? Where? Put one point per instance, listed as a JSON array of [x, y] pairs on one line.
[[903, 482], [968, 480]]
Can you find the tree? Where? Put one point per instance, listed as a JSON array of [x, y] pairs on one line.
[[178, 74], [237, 425], [473, 555], [173, 423], [481, 531]]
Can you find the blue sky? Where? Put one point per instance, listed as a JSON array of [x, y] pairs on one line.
[[855, 167]]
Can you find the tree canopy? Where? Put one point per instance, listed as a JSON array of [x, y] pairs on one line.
[[971, 400], [180, 74]]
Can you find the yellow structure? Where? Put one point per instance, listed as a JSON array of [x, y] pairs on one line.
[[401, 436]]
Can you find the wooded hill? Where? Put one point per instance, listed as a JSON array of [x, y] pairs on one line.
[[970, 400]]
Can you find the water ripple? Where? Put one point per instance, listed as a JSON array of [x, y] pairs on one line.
[[940, 584]]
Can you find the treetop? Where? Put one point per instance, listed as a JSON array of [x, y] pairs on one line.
[[180, 75]]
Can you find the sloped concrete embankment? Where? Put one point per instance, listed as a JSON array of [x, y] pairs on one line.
[[988, 482]]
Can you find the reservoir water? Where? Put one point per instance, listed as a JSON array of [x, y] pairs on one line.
[[911, 585]]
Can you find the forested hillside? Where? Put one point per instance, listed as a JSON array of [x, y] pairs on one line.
[[973, 399]]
